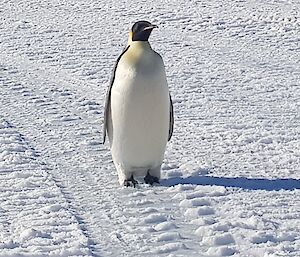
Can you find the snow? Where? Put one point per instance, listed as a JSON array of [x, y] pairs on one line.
[[35, 220], [230, 180], [163, 226]]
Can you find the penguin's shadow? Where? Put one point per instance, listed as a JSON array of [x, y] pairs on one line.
[[238, 182]]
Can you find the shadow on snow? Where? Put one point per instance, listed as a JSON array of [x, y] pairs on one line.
[[239, 182]]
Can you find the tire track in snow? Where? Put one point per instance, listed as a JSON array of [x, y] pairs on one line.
[[33, 211]]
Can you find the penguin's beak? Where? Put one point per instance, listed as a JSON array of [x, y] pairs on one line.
[[152, 26]]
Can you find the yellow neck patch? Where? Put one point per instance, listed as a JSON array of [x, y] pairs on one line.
[[130, 38]]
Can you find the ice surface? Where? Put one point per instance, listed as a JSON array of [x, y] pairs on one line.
[[230, 179]]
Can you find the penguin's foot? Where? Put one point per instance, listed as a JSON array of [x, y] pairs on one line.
[[130, 182], [151, 179]]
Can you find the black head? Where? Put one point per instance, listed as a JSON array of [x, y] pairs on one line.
[[141, 31]]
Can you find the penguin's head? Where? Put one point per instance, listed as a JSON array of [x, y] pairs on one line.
[[141, 31]]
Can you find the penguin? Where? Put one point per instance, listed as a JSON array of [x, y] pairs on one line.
[[138, 115]]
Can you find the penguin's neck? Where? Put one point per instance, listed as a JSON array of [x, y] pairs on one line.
[[143, 45], [139, 53]]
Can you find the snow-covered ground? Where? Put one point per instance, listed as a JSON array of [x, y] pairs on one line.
[[231, 176]]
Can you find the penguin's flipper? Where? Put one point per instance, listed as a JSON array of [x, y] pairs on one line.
[[108, 95], [171, 122]]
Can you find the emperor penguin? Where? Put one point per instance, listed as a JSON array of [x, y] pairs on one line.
[[138, 116]]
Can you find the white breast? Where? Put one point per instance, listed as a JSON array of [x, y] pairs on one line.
[[139, 110]]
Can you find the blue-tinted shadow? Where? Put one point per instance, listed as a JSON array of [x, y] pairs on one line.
[[239, 182]]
